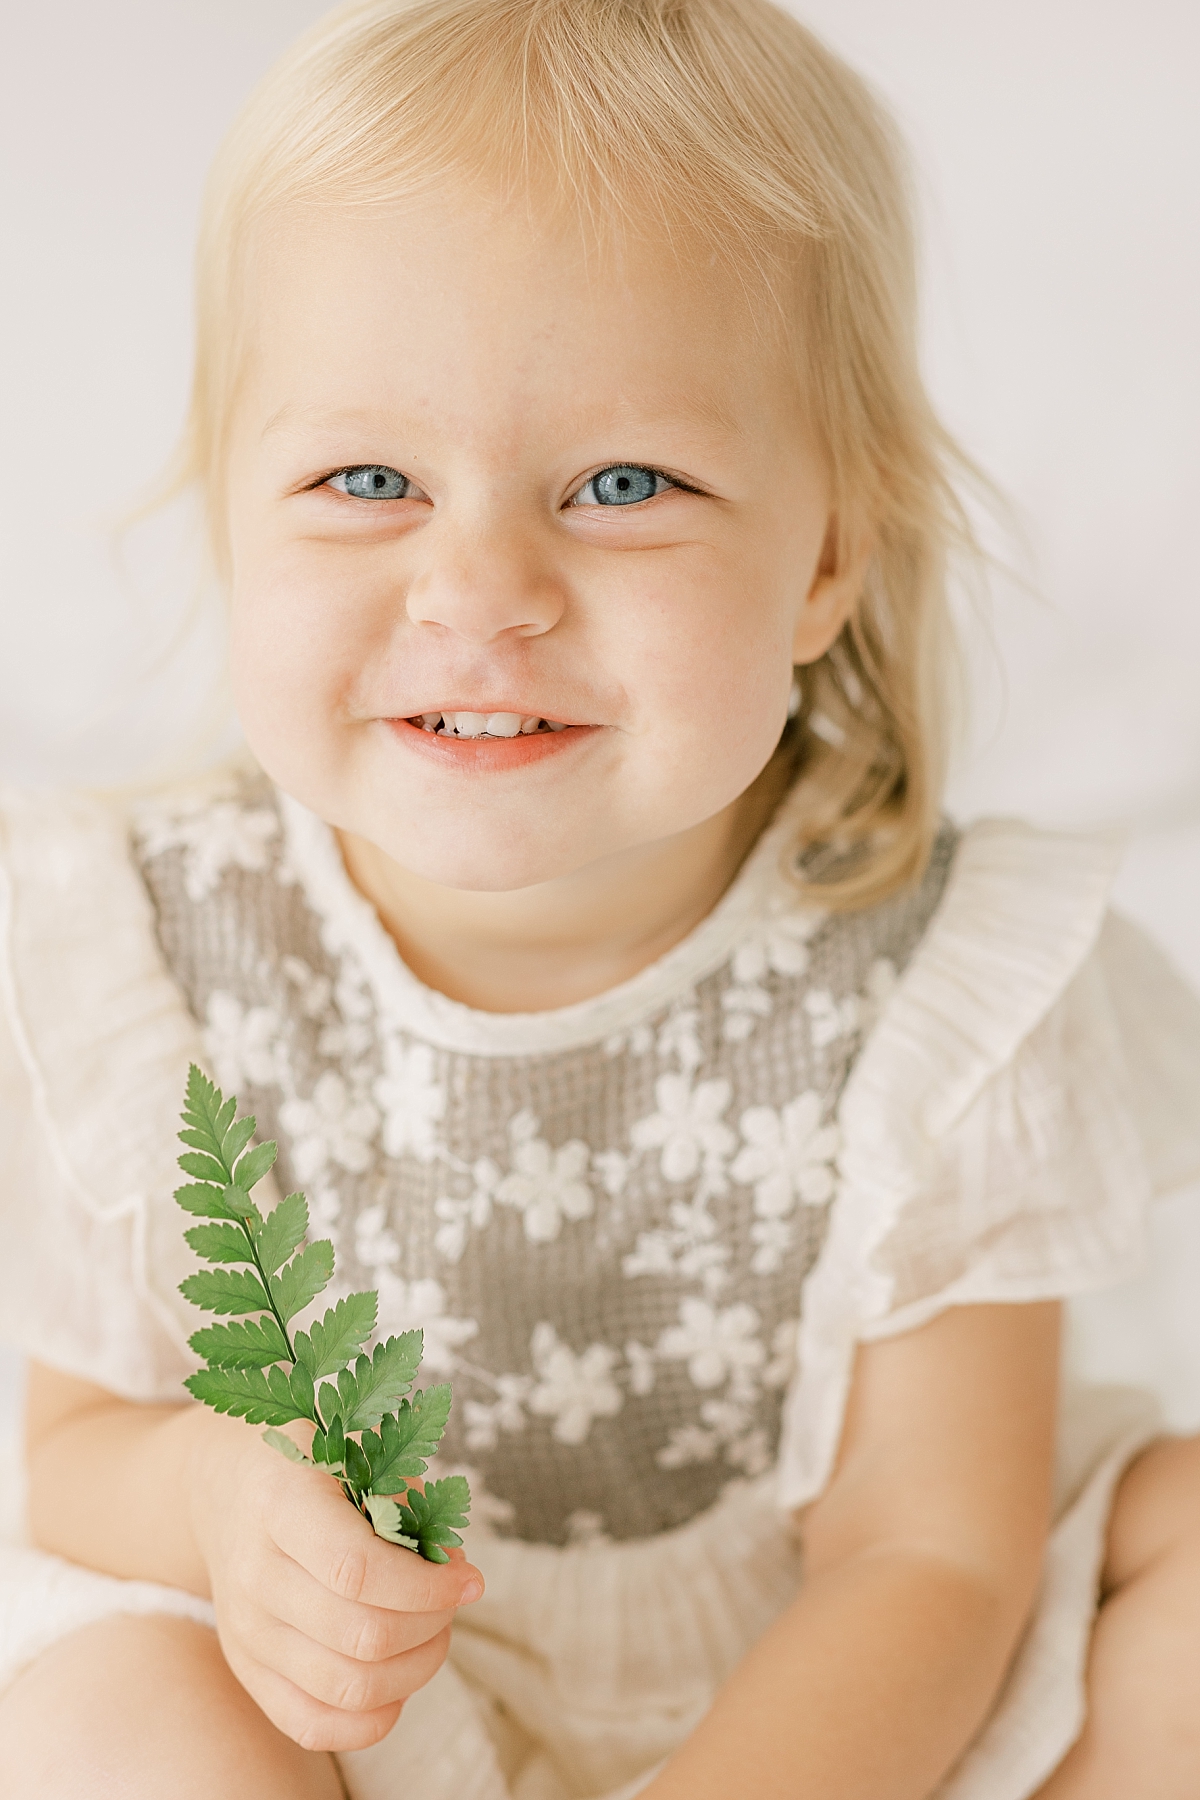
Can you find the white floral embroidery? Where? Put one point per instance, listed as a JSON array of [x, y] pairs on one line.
[[573, 1390], [586, 1530], [750, 1453], [726, 1425], [678, 1037], [613, 1169], [375, 1244], [242, 1043], [316, 990], [830, 1019], [728, 1418], [485, 1422], [778, 943], [462, 1216], [413, 1305], [353, 1030], [687, 1127], [641, 1368], [690, 1248], [788, 1155], [213, 835], [772, 1239], [688, 1444], [546, 1185], [334, 1125], [744, 1007], [326, 1205], [325, 1211], [715, 1345], [782, 1366], [412, 1101], [383, 1088]]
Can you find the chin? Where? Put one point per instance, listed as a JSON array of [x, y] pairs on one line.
[[480, 862]]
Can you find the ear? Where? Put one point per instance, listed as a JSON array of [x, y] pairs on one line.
[[835, 589]]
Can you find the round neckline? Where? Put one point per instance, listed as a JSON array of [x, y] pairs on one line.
[[351, 923]]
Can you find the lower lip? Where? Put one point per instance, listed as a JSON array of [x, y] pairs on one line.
[[483, 755]]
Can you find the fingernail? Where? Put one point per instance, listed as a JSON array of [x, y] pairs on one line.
[[471, 1591]]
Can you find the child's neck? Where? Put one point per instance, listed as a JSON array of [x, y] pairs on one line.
[[548, 946]]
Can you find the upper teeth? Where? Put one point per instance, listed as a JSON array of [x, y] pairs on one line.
[[473, 725]]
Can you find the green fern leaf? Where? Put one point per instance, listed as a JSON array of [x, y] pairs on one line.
[[406, 1439], [285, 1447], [301, 1384], [220, 1243], [204, 1168], [358, 1469], [254, 1165], [435, 1517], [223, 1117], [248, 1344], [376, 1384], [329, 1446], [236, 1137], [226, 1291], [330, 1342], [246, 1393], [384, 1515], [204, 1100], [301, 1280], [280, 1232], [252, 1372], [205, 1199]]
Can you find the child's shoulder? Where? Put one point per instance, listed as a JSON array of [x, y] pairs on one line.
[[95, 1042], [1031, 1083], [47, 833]]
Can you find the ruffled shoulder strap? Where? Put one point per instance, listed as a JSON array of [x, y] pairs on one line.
[[990, 1140], [95, 1040], [1021, 912]]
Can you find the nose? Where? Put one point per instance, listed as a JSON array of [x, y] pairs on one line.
[[486, 581]]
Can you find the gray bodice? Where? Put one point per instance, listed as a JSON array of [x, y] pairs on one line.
[[605, 1241]]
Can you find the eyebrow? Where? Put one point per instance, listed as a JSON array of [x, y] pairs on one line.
[[689, 408]]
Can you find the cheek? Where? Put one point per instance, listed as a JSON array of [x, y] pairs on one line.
[[705, 655], [298, 640]]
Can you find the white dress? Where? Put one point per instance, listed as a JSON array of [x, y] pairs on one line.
[[1025, 1088]]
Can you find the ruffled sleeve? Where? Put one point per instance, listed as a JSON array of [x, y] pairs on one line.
[[95, 1040], [1032, 1083]]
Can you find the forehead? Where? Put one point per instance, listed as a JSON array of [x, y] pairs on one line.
[[459, 302]]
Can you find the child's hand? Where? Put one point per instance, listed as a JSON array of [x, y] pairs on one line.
[[328, 1627]]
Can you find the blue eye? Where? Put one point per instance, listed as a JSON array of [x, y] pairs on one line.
[[372, 481], [623, 485]]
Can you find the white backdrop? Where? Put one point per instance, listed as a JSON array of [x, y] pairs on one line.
[[1056, 146]]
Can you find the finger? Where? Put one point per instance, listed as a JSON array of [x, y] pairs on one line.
[[335, 1544], [311, 1723], [342, 1681], [288, 1593]]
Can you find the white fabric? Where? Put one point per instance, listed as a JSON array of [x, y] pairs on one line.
[[581, 1669], [351, 922], [1034, 1078], [1033, 1082], [95, 1042]]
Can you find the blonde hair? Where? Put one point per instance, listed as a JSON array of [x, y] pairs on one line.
[[728, 119]]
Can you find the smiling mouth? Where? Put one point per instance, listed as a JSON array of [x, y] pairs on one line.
[[485, 725]]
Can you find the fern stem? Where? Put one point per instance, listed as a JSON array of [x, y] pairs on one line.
[[266, 1281]]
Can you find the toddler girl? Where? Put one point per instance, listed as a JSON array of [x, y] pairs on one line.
[[587, 933]]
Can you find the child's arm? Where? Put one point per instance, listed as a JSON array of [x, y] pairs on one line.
[[326, 1625], [922, 1559]]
